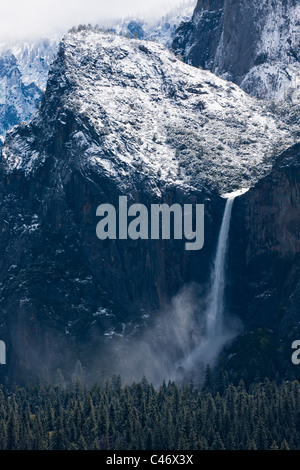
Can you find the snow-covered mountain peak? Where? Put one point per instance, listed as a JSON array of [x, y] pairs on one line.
[[127, 107], [161, 30]]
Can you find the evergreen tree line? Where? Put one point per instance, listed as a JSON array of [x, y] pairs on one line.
[[138, 416]]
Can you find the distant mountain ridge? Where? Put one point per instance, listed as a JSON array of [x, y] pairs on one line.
[[260, 52]]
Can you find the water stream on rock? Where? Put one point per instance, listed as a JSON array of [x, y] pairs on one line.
[[215, 334]]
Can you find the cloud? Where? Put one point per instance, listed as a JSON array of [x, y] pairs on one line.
[[43, 18]]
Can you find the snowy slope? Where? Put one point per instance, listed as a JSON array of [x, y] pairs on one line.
[[33, 59], [139, 109]]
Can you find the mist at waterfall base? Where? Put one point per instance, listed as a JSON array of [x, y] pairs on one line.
[[177, 346], [190, 333]]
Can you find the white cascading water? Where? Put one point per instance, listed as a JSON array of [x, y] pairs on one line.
[[216, 335], [214, 314]]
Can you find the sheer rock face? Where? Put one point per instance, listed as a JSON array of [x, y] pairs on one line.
[[254, 44], [24, 66], [264, 254]]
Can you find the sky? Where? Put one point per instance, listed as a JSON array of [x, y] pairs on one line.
[[20, 19]]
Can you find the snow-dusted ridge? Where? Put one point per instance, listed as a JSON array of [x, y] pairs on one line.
[[33, 58], [279, 49], [145, 111]]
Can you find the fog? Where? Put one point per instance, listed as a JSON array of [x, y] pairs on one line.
[[43, 18], [176, 346]]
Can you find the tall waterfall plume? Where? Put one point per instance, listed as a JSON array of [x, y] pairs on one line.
[[215, 335]]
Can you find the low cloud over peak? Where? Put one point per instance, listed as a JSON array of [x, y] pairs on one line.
[[41, 18]]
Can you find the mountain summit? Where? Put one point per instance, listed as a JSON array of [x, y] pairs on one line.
[[126, 104]]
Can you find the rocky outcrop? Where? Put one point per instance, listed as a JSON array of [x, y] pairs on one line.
[[255, 45], [264, 265]]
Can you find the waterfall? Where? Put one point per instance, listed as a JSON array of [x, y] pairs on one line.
[[215, 335]]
